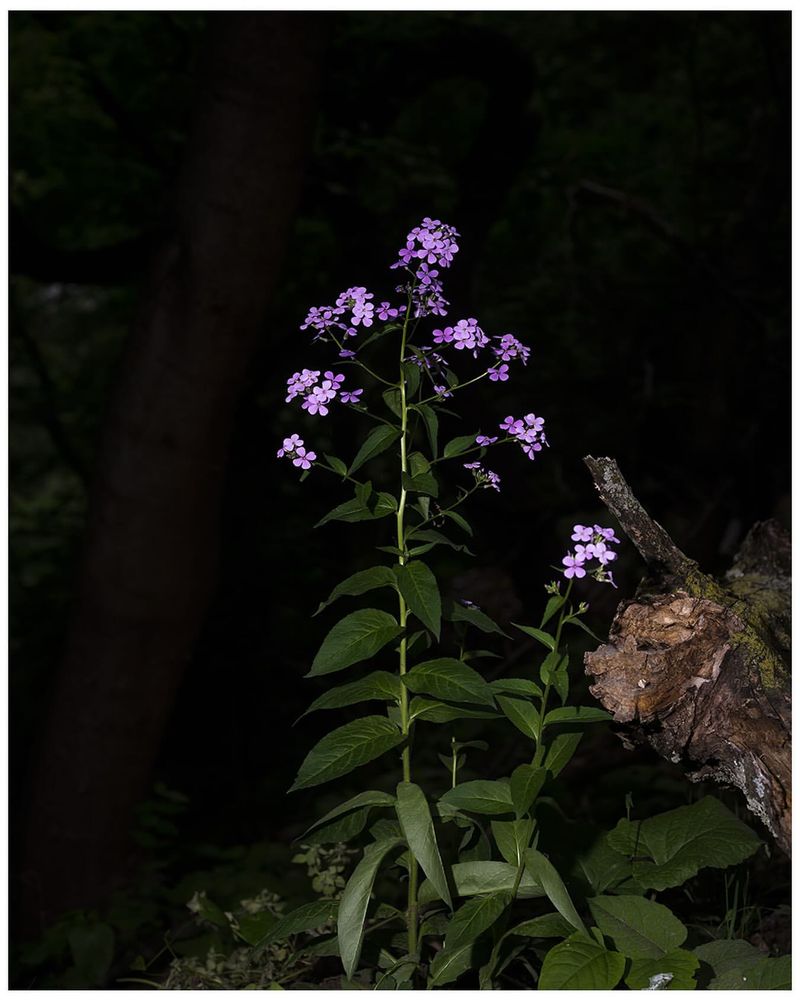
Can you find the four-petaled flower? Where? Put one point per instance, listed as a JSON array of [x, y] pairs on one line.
[[498, 374], [303, 458], [484, 440], [351, 396], [574, 566]]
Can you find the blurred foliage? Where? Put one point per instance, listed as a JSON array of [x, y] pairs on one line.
[[660, 326]]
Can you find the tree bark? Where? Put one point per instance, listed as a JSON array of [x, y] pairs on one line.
[[150, 551], [699, 669]]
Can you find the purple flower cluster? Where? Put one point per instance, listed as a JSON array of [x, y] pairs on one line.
[[317, 394], [433, 242], [484, 477], [528, 431], [354, 308], [293, 448], [467, 335], [592, 546], [509, 348]]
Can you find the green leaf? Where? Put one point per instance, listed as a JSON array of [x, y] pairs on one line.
[[768, 974], [420, 591], [393, 400], [412, 375], [454, 611], [354, 901], [555, 603], [360, 583], [579, 963], [475, 878], [673, 971], [561, 752], [522, 713], [450, 680], [370, 798], [378, 686], [346, 748], [489, 798], [425, 483], [424, 710], [431, 422], [474, 917], [585, 628], [434, 538], [459, 445], [356, 637], [461, 521], [601, 866], [543, 637], [682, 841], [551, 664], [417, 825], [378, 440], [526, 783], [418, 464], [449, 964], [546, 926], [376, 506], [336, 464], [513, 837], [728, 956], [308, 917], [543, 871], [341, 830], [518, 686], [639, 927], [580, 715]]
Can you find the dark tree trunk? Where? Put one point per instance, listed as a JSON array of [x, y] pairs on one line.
[[699, 669], [151, 544]]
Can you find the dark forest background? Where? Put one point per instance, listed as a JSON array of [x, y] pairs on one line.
[[183, 188]]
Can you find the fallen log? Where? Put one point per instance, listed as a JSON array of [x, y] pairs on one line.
[[699, 668]]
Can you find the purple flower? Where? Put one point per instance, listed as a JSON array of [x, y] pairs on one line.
[[534, 422], [531, 448], [467, 335], [300, 383], [351, 396], [290, 444], [443, 391], [574, 566], [322, 318], [484, 441], [483, 477], [509, 348], [426, 300], [346, 353], [315, 401], [498, 374], [472, 465], [304, 458], [512, 426], [386, 311], [607, 533], [432, 242], [357, 300], [443, 336], [580, 533]]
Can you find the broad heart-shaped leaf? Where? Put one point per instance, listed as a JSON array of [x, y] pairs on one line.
[[726, 956], [455, 611], [516, 685], [525, 784], [305, 918], [431, 421], [513, 837], [377, 505], [346, 748], [682, 841], [360, 583], [475, 878], [378, 686], [673, 971], [543, 871], [580, 963], [543, 637], [379, 439], [489, 798], [639, 927], [356, 802], [420, 591], [768, 974], [459, 445], [353, 904], [417, 826], [601, 866], [356, 637], [449, 679], [561, 752], [474, 917], [522, 713], [576, 715], [426, 710]]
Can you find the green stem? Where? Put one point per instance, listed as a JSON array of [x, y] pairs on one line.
[[563, 615], [413, 873], [461, 385]]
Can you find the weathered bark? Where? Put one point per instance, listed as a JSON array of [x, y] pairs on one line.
[[151, 543], [699, 669]]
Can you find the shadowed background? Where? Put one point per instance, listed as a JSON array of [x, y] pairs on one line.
[[183, 188]]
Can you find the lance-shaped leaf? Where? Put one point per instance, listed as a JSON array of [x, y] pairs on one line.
[[513, 837], [370, 798], [354, 901], [417, 826], [420, 591], [459, 445], [356, 637], [455, 611], [378, 440], [378, 686], [360, 583], [425, 710], [474, 917], [525, 784], [449, 679], [561, 752], [543, 637], [519, 686], [474, 878], [489, 798], [639, 927], [449, 964], [576, 714], [580, 963], [370, 509], [522, 713], [544, 872], [347, 747], [308, 917]]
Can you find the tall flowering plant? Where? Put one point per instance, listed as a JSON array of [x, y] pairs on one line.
[[467, 851]]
